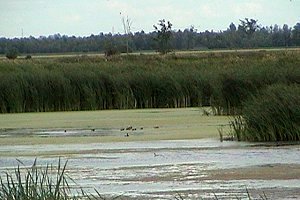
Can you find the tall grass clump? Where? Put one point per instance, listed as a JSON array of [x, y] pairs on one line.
[[42, 183], [36, 183], [273, 115]]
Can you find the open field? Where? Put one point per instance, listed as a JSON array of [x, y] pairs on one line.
[[178, 52]]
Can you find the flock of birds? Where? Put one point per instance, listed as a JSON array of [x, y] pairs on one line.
[[128, 128]]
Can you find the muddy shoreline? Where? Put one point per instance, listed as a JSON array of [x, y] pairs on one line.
[[161, 169]]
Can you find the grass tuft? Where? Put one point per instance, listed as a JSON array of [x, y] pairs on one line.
[[36, 183]]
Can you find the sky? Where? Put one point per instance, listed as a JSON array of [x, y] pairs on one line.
[[85, 17]]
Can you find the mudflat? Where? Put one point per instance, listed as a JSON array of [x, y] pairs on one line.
[[166, 152]]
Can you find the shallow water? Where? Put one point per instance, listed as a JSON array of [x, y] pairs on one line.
[[160, 169], [57, 132]]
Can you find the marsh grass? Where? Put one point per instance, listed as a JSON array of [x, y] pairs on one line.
[[218, 79], [273, 115], [41, 183], [237, 126], [36, 183]]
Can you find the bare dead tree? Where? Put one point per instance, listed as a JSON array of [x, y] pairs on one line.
[[127, 23]]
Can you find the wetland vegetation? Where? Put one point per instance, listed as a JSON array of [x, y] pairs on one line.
[[260, 89], [221, 80], [36, 183], [271, 115], [138, 115], [228, 82]]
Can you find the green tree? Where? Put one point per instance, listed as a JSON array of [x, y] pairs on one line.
[[287, 34], [249, 26], [246, 30], [296, 34], [164, 34], [232, 27], [190, 37]]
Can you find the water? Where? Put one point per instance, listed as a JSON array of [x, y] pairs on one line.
[[162, 169]]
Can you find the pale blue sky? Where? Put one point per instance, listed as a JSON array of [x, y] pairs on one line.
[[86, 17]]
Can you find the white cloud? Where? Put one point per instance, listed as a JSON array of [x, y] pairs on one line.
[[209, 11], [121, 7], [72, 18], [247, 8]]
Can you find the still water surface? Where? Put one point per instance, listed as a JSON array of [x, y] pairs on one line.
[[163, 169]]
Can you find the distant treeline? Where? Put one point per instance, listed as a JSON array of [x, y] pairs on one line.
[[246, 35], [221, 80]]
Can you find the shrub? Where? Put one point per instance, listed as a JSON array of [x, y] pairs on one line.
[[12, 53], [110, 48], [28, 57]]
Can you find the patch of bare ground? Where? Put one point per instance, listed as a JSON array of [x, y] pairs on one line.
[[263, 172]]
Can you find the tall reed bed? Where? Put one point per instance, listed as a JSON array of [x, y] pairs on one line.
[[221, 80], [271, 115]]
